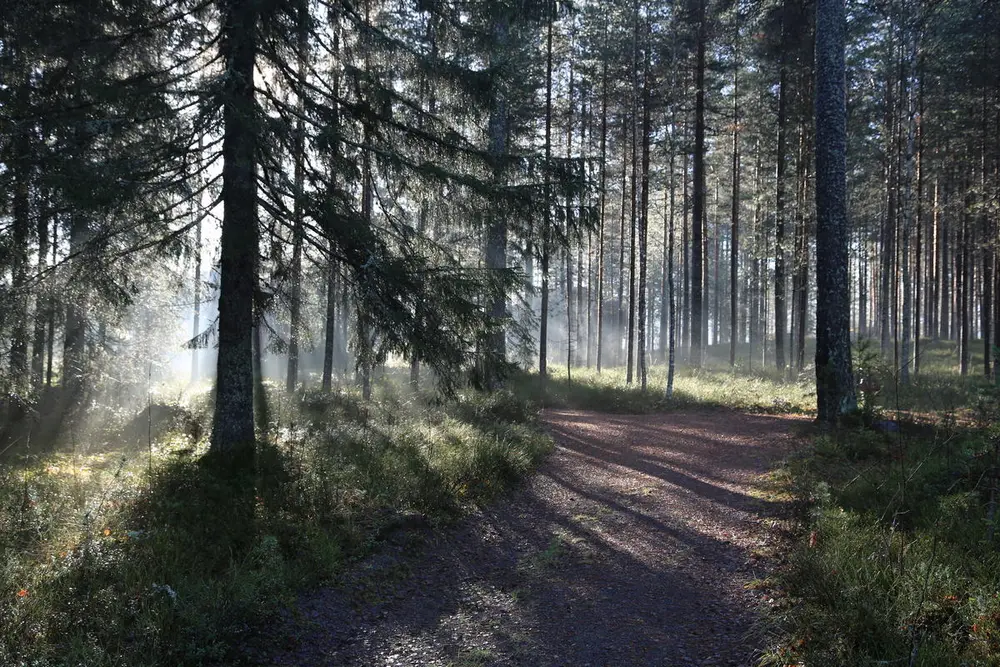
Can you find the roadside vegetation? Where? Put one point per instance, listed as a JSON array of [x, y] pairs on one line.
[[897, 558], [712, 386], [140, 555]]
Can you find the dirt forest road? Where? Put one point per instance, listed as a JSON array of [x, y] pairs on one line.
[[632, 545]]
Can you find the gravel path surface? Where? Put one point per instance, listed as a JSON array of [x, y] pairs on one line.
[[631, 546]]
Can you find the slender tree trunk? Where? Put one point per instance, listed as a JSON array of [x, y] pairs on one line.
[[780, 308], [569, 233], [802, 305], [330, 319], [543, 334], [74, 364], [633, 197], [887, 287], [51, 315], [644, 213], [20, 230], [934, 268], [496, 234], [834, 377], [664, 306], [909, 221], [43, 302], [672, 342], [603, 204], [685, 254], [619, 356], [986, 246], [965, 273], [590, 296], [716, 336], [697, 236], [918, 216], [366, 341], [578, 319], [196, 325], [946, 270], [734, 232], [756, 320], [298, 210]]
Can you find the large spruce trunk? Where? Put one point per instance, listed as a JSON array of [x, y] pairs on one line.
[[233, 427]]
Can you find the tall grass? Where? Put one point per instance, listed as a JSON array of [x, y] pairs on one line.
[[608, 391], [129, 557]]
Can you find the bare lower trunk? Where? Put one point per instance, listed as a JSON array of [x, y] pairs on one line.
[[233, 429], [835, 394]]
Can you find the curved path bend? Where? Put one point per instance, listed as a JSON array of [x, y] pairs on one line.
[[632, 545]]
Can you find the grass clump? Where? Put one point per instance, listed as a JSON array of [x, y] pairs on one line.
[[123, 556], [714, 386], [898, 562]]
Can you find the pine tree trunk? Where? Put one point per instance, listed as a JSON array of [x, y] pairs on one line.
[[698, 218], [986, 246], [664, 306], [672, 340], [196, 325], [330, 270], [578, 319], [716, 338], [330, 323], [934, 268], [603, 204], [964, 273], [755, 298], [20, 230], [43, 302], [835, 395], [946, 271], [630, 340], [51, 315], [780, 308], [298, 212], [543, 333], [75, 334], [909, 221], [686, 258], [619, 336], [734, 230], [802, 270], [365, 338], [644, 215], [919, 221]]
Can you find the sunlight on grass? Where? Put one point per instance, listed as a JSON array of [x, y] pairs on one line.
[[141, 556], [608, 391]]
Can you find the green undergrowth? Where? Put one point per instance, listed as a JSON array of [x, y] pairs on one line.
[[935, 388], [608, 391], [898, 561], [143, 556]]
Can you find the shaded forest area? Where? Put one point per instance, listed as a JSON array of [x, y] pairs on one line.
[[312, 266]]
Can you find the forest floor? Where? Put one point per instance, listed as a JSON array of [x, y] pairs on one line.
[[636, 543]]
